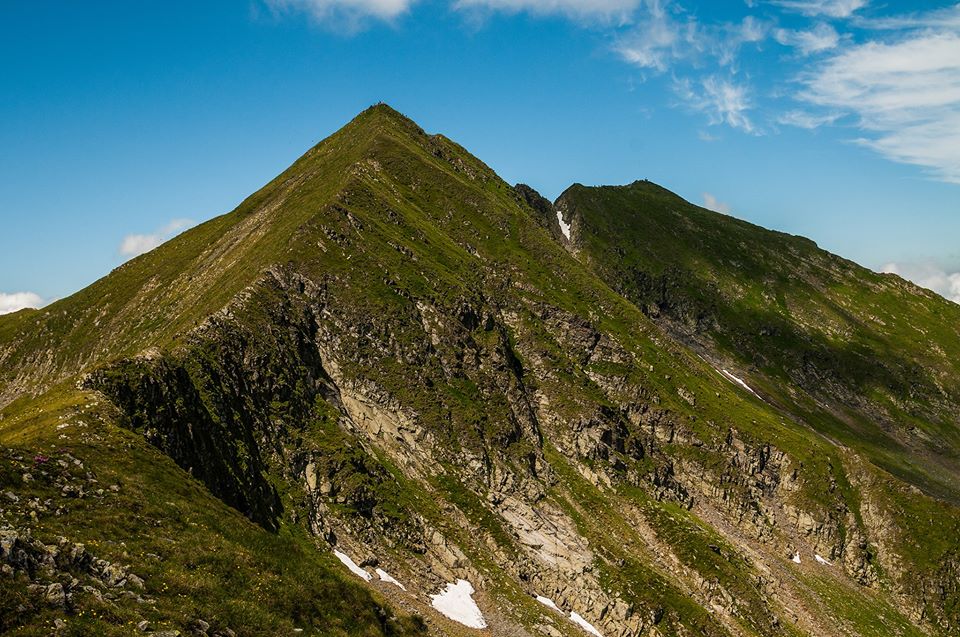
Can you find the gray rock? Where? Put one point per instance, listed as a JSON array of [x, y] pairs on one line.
[[114, 576], [55, 595], [93, 592]]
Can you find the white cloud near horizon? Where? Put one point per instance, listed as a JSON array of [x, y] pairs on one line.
[[904, 94], [710, 202], [827, 8], [135, 244], [14, 301], [930, 276]]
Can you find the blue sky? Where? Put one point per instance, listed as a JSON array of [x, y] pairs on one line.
[[123, 123]]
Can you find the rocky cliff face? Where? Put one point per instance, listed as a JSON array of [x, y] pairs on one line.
[[254, 412], [424, 380]]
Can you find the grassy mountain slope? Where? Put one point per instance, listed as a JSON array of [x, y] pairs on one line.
[[151, 299], [390, 351], [868, 359]]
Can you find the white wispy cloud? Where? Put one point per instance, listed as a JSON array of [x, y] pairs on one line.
[[806, 119], [930, 276], [134, 244], [658, 37], [828, 8], [663, 34], [712, 203], [607, 10], [664, 38], [905, 95], [723, 101], [13, 301], [752, 30], [725, 41], [943, 18], [822, 37], [347, 14]]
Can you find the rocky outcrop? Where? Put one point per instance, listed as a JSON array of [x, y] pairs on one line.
[[59, 571]]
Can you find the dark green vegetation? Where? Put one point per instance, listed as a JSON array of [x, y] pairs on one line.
[[867, 359], [389, 350]]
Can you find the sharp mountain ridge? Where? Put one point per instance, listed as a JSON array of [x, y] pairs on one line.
[[391, 394]]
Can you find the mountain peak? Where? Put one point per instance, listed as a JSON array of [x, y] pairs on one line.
[[384, 110], [383, 115]]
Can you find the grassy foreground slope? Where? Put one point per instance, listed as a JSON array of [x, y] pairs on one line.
[[389, 351], [178, 558]]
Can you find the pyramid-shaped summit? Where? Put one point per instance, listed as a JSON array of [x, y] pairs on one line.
[[387, 395], [158, 296]]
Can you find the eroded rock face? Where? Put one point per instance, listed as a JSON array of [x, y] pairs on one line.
[[547, 535], [446, 466]]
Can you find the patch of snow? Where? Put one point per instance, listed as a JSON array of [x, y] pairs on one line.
[[738, 381], [63, 426], [564, 227], [356, 570], [584, 624], [546, 601], [456, 603], [386, 577], [796, 557], [822, 560]]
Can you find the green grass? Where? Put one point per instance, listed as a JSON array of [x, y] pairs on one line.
[[199, 558], [859, 612], [796, 317]]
